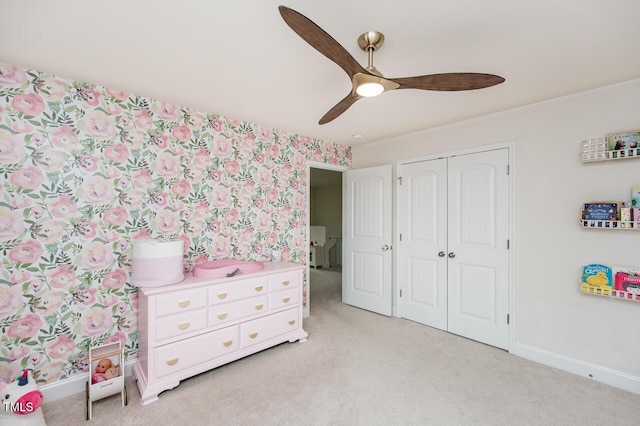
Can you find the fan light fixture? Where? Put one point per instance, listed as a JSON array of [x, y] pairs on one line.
[[369, 90]]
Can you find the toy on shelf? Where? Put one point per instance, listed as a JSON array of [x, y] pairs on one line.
[[21, 401], [106, 377]]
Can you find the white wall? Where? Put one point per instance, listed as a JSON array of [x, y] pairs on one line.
[[554, 321]]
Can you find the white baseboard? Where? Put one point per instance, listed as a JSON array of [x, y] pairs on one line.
[[76, 384], [598, 373]]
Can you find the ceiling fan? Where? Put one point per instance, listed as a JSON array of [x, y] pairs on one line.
[[368, 82]]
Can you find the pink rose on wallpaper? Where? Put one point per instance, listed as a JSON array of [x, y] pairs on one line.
[[248, 188], [86, 229], [222, 146], [259, 157], [11, 75], [202, 157], [95, 321], [118, 94], [63, 207], [49, 303], [216, 124], [231, 216], [11, 224], [52, 89], [29, 104], [298, 243], [97, 190], [25, 327], [201, 210], [51, 231], [62, 277], [19, 277], [214, 226], [181, 188], [272, 195], [273, 151], [10, 300], [316, 155], [143, 119], [167, 222], [18, 353], [127, 322], [265, 133], [117, 336], [65, 137], [232, 167], [263, 222], [168, 111], [11, 147], [142, 179], [50, 160], [114, 279], [264, 177], [233, 122], [160, 198], [247, 235], [182, 133], [27, 252], [215, 175], [49, 373], [28, 177], [132, 199], [299, 162], [167, 164], [295, 143], [99, 125], [35, 358], [62, 347], [272, 239], [220, 247], [36, 285], [249, 141], [22, 126], [134, 138], [19, 202], [9, 371], [221, 196], [97, 256], [115, 216], [118, 153], [90, 95], [86, 296], [195, 120]]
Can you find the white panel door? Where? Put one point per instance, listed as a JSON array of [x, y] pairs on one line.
[[366, 263], [422, 261], [478, 255]]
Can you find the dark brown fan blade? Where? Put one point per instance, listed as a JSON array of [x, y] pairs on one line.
[[340, 107], [449, 81], [321, 41]]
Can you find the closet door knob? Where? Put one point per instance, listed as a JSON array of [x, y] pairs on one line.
[[385, 247], [452, 255], [441, 254]]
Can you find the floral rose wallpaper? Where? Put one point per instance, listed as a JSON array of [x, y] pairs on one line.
[[86, 170]]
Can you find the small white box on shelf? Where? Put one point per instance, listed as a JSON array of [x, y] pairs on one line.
[[594, 149]]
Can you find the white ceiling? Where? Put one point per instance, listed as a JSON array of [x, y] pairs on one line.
[[239, 59]]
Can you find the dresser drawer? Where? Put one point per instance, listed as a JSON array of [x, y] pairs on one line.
[[180, 301], [262, 329], [280, 299], [219, 314], [183, 323], [284, 280], [235, 290], [187, 353]]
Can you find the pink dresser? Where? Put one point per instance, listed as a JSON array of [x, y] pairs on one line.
[[202, 323]]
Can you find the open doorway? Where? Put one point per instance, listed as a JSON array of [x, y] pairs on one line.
[[325, 235]]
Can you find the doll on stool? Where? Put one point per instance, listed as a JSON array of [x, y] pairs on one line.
[[102, 366]]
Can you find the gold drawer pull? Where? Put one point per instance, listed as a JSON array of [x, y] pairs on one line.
[[258, 307], [259, 288], [285, 283], [254, 335], [286, 300], [291, 322], [184, 325], [227, 343], [222, 296], [222, 315], [172, 361], [184, 303]]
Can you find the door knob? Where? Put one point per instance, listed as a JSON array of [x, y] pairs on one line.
[[452, 255], [385, 247], [441, 254]]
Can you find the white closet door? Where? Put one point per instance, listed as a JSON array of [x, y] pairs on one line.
[[422, 265], [366, 265], [478, 262]]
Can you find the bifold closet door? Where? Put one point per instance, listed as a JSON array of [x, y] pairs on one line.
[[453, 259]]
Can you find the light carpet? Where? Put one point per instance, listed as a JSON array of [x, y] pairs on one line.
[[360, 368]]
